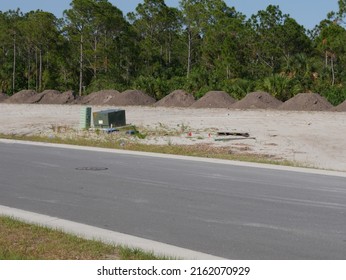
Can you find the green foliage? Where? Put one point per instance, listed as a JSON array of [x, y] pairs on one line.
[[238, 88], [200, 46], [197, 81], [159, 88], [280, 86], [334, 94], [104, 83], [156, 26], [154, 87]]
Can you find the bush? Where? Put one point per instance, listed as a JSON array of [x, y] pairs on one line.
[[197, 80], [104, 83], [280, 86], [155, 87], [238, 88], [334, 94]]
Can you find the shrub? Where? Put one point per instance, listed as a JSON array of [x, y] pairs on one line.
[[238, 88]]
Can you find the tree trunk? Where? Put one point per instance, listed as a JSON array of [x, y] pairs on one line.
[[40, 73], [14, 66], [326, 59], [106, 57], [36, 65], [81, 66], [333, 72], [170, 49], [189, 53], [95, 58], [29, 68]]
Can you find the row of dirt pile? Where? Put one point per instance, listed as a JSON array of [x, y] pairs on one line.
[[116, 98], [253, 100], [178, 98], [45, 97], [105, 97]]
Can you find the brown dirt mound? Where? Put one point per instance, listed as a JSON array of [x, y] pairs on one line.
[[68, 96], [3, 96], [24, 96], [257, 100], [214, 99], [35, 98], [55, 97], [103, 97], [133, 98], [177, 98], [306, 102], [340, 108]]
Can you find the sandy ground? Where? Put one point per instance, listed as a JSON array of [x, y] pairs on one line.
[[315, 139]]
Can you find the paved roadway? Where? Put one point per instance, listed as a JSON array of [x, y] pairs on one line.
[[230, 211]]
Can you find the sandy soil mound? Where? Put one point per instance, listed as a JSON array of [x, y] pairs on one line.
[[24, 96], [55, 97], [340, 108], [133, 98], [68, 96], [257, 100], [214, 99], [3, 96], [177, 98], [103, 97], [35, 98], [306, 102]]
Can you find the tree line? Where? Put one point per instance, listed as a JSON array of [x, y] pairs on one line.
[[202, 45]]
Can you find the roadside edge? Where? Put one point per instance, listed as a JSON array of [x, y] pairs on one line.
[[189, 158], [105, 236]]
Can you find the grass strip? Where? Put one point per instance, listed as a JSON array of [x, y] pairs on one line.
[[23, 241], [201, 150]]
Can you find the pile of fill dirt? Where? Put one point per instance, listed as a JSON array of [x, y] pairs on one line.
[[3, 96], [55, 97], [35, 98], [24, 96], [257, 100], [340, 108], [306, 102], [177, 98], [103, 97], [133, 98], [214, 99]]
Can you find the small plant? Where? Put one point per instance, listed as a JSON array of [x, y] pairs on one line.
[[183, 127], [60, 128], [140, 135]]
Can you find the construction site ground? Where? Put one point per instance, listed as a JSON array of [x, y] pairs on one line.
[[314, 139]]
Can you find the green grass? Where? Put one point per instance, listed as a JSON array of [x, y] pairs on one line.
[[23, 241], [205, 151]]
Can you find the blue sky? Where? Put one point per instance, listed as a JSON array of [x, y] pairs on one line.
[[306, 12]]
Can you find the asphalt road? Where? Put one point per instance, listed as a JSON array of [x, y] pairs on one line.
[[229, 211]]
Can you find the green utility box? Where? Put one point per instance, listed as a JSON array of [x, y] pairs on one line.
[[85, 118], [109, 118]]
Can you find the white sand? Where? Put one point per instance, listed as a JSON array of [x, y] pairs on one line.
[[315, 139]]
